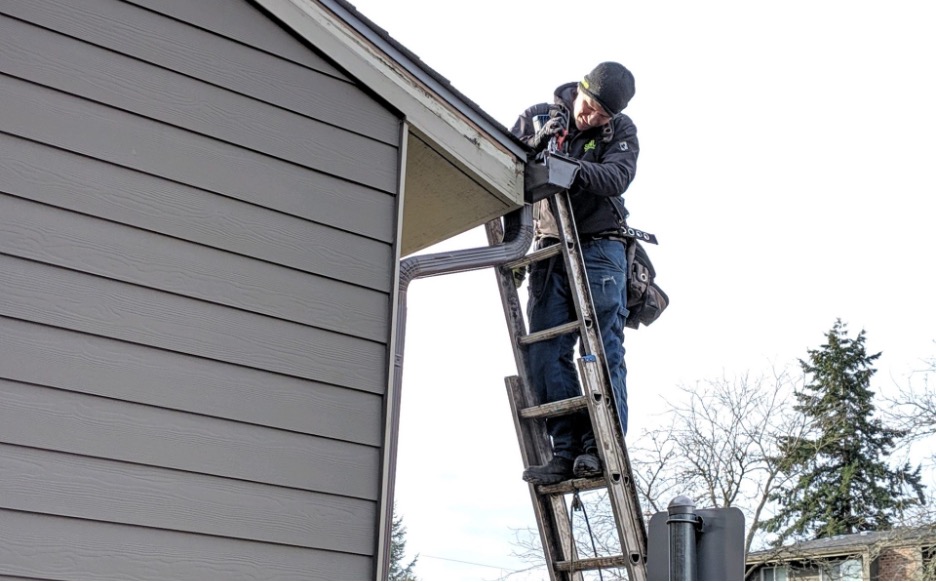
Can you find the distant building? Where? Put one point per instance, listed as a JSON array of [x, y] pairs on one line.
[[900, 554]]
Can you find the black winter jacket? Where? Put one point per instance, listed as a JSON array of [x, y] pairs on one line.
[[608, 156]]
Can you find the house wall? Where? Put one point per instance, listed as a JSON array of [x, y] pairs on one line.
[[197, 224], [904, 563]]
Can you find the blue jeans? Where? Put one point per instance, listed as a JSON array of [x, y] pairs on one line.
[[552, 374]]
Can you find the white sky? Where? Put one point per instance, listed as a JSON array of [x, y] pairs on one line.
[[796, 137]]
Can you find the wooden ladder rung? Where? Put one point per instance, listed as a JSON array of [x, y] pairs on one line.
[[572, 485], [535, 257], [557, 408], [550, 333], [618, 561]]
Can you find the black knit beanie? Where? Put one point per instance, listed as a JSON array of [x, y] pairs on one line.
[[611, 85]]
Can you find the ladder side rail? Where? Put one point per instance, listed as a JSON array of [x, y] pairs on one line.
[[622, 490], [604, 420], [575, 273], [550, 511]]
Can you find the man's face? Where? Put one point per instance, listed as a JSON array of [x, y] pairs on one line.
[[588, 113]]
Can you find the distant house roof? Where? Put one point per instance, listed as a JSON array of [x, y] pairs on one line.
[[845, 544]]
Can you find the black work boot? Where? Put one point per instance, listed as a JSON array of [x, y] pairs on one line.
[[587, 465], [556, 470]]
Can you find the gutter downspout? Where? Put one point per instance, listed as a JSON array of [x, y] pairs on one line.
[[518, 236]]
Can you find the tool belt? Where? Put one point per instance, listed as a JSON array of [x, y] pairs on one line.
[[607, 235], [548, 241]]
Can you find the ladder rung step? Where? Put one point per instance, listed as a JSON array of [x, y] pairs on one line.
[[535, 257], [591, 563], [557, 408], [550, 333], [572, 485]]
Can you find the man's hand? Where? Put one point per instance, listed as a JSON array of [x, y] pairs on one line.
[[555, 125]]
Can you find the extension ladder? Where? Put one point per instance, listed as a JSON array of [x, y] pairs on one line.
[[549, 501]]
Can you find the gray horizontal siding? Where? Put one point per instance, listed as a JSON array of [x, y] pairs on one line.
[[121, 371], [128, 84], [45, 546], [54, 483], [314, 89], [100, 132], [59, 178], [197, 230], [80, 302], [151, 260], [238, 21], [46, 418]]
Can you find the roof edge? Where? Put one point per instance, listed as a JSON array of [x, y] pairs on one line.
[[426, 74]]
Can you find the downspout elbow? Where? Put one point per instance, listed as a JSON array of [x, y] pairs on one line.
[[518, 236]]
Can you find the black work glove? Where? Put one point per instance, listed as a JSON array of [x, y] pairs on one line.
[[519, 274], [555, 125]]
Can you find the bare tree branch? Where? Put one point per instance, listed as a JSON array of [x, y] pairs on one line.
[[721, 446]]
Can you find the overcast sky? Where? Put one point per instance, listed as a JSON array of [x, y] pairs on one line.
[[787, 167]]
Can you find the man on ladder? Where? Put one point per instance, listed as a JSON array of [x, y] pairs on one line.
[[588, 125]]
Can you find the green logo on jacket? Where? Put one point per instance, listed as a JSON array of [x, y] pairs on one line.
[[590, 146]]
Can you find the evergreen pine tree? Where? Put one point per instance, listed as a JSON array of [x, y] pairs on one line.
[[845, 484], [399, 571]]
